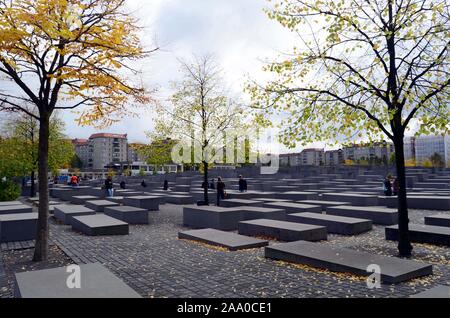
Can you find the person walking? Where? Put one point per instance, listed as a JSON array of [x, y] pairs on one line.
[[387, 187], [242, 184], [220, 190], [74, 180], [109, 186]]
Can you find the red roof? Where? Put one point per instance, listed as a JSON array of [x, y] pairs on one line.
[[79, 141], [107, 135]]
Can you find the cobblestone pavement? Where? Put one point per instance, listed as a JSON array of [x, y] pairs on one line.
[[154, 262]]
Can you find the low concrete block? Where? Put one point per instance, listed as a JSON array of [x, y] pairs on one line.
[[14, 209], [438, 220], [150, 203], [18, 227], [292, 207], [64, 213], [334, 224], [100, 205], [100, 224], [283, 231], [128, 214], [231, 241], [393, 270], [96, 282], [422, 234], [378, 215]]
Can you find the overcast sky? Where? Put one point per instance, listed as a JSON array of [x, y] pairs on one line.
[[237, 32]]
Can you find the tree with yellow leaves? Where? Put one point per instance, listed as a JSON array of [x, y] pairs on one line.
[[65, 54]]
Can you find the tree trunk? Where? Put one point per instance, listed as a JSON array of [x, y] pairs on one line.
[[41, 245], [32, 189], [404, 243], [205, 181]]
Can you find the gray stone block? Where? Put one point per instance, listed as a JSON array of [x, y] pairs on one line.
[[283, 231], [256, 212], [178, 199], [64, 213], [378, 215], [81, 199], [240, 202], [14, 209], [96, 282], [297, 195], [323, 204], [421, 202], [211, 217], [438, 220], [150, 203], [18, 227], [292, 207], [419, 233], [100, 224], [393, 270], [334, 224], [439, 291], [9, 203], [353, 198], [128, 214], [100, 205], [231, 241]]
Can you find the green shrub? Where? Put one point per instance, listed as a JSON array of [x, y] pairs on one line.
[[9, 191]]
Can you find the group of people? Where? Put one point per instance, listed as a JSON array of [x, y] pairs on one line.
[[109, 185], [220, 187], [390, 186]]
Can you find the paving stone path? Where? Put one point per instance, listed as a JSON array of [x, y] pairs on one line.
[[155, 263]]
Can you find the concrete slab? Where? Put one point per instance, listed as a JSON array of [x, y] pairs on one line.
[[96, 282], [439, 291], [353, 198], [100, 224], [323, 204], [100, 205], [64, 212], [18, 227], [438, 220], [334, 224], [419, 233], [292, 207], [150, 203], [283, 231], [81, 199], [378, 215], [231, 241], [128, 214], [240, 202], [393, 270], [14, 209]]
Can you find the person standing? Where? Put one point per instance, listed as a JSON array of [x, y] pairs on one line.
[[109, 187], [220, 190], [144, 184], [166, 185], [387, 187], [123, 184], [242, 184]]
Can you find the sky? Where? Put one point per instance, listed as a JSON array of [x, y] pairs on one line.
[[237, 32]]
